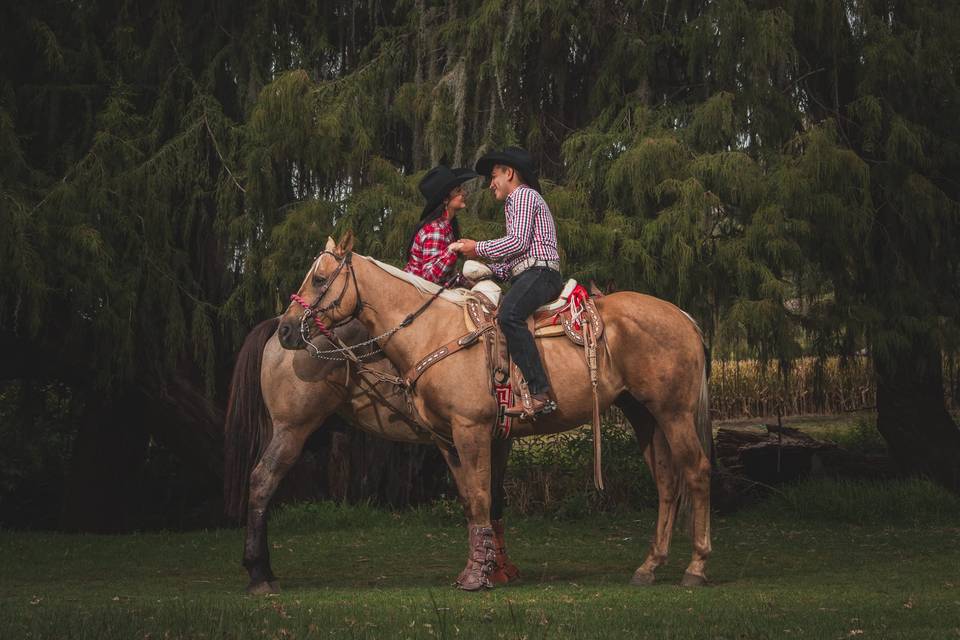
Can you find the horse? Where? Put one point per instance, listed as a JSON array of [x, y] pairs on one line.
[[278, 398], [653, 366]]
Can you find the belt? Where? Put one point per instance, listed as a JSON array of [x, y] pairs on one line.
[[529, 263]]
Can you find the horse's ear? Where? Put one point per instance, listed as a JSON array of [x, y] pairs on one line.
[[331, 245], [346, 243]]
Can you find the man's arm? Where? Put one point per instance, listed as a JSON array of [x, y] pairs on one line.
[[519, 237], [469, 250]]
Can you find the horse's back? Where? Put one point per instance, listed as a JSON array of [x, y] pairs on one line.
[[655, 317]]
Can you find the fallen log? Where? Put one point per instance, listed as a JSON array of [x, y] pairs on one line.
[[750, 460]]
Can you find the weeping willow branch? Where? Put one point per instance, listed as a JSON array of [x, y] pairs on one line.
[[223, 160]]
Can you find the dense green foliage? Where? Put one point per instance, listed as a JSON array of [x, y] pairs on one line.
[[829, 574], [168, 171], [784, 170]]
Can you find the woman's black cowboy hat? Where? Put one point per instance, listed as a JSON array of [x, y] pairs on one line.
[[439, 182], [519, 159]]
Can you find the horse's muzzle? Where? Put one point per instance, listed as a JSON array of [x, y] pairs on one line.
[[289, 336]]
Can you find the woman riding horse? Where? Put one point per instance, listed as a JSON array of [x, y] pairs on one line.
[[428, 251]]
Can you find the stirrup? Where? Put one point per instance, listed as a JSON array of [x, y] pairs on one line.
[[548, 407]]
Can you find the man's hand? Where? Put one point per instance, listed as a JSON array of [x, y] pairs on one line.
[[466, 247]]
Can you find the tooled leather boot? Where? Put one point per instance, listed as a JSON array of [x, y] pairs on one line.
[[505, 571], [480, 561]]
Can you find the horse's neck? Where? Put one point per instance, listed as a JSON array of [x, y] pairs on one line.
[[389, 300]]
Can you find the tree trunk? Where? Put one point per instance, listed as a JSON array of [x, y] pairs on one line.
[[912, 417], [181, 418]]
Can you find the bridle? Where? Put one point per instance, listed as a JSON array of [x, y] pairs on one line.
[[314, 310], [346, 352]]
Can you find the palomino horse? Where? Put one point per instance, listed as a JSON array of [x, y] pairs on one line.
[[652, 366], [277, 399]]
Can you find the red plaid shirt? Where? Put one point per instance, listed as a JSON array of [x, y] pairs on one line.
[[429, 257], [531, 232]]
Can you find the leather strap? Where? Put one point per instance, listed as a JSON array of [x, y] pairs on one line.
[[463, 342], [590, 349]]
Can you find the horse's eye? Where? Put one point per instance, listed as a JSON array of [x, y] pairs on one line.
[[318, 281]]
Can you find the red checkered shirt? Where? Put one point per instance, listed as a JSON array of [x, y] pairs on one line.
[[429, 257], [531, 233]]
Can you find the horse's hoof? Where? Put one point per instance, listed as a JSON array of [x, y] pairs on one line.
[[263, 588], [642, 578], [470, 585], [474, 581], [505, 573], [693, 580], [502, 576]]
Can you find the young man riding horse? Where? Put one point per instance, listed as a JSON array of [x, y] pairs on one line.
[[527, 255]]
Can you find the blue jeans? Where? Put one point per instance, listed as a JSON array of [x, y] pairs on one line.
[[533, 288]]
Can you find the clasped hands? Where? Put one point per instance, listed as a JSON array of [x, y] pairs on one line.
[[465, 247]]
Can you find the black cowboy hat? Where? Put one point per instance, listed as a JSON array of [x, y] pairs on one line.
[[519, 159], [439, 182]]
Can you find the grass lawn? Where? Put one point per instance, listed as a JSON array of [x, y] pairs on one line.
[[821, 560]]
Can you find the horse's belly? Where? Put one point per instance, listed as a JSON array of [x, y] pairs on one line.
[[388, 425], [574, 408]]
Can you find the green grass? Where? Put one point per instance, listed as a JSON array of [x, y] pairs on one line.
[[798, 566]]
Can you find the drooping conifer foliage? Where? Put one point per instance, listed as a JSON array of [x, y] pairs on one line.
[[785, 171]]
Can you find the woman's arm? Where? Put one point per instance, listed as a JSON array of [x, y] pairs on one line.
[[438, 260]]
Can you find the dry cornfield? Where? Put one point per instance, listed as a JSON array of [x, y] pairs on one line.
[[747, 388]]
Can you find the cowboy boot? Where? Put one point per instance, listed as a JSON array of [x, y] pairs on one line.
[[504, 571], [480, 561], [540, 404]]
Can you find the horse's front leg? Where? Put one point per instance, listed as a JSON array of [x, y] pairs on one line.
[[470, 464], [505, 570], [281, 454]]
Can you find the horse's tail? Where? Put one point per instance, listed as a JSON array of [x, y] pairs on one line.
[[702, 414], [702, 424], [704, 428], [248, 427]]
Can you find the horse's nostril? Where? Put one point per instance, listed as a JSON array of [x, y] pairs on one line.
[[284, 330]]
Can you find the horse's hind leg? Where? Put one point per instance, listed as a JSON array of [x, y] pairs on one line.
[[505, 570], [656, 451], [688, 458], [279, 456]]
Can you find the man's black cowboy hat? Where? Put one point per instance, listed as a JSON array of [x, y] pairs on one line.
[[519, 159], [439, 182]]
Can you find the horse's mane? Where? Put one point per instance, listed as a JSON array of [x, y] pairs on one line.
[[456, 296]]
